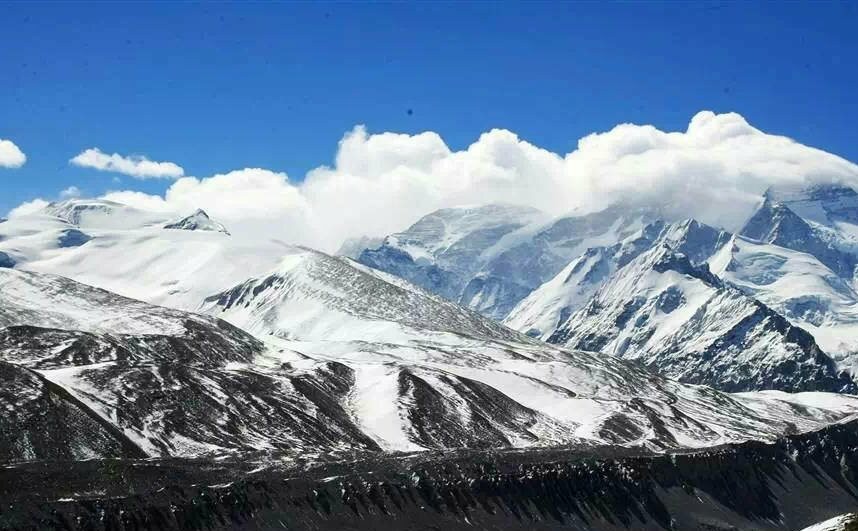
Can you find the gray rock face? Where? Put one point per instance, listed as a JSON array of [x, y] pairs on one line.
[[6, 261]]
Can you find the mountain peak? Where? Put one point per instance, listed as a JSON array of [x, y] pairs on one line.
[[682, 321], [803, 224], [199, 220], [312, 295]]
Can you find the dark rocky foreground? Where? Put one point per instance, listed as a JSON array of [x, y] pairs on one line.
[[800, 480]]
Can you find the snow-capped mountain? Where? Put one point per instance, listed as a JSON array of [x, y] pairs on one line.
[[101, 214], [489, 258], [122, 378], [799, 287], [798, 254], [199, 220], [345, 357], [129, 252], [776, 223], [449, 376], [684, 322], [285, 385], [445, 249], [542, 312]]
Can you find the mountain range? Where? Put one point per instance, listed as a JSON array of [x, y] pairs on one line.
[[694, 302], [143, 337]]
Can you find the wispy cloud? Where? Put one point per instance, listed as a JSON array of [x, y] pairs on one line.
[[70, 192], [11, 155], [136, 166]]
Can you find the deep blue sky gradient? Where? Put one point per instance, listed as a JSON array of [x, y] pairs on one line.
[[215, 87]]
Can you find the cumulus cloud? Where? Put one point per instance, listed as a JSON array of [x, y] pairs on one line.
[[253, 203], [716, 171], [11, 155], [136, 166]]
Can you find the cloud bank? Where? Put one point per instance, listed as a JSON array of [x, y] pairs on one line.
[[11, 155], [716, 171], [30, 207], [135, 166]]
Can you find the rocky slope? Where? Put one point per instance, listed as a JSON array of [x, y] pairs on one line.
[[428, 356], [411, 372], [93, 374]]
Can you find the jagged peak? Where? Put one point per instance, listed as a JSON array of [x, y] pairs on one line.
[[311, 294], [199, 220], [766, 223], [665, 257]]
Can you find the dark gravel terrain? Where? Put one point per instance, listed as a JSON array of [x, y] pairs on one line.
[[796, 482]]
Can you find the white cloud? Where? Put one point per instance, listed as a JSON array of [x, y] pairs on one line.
[[70, 192], [11, 155], [715, 171], [252, 202], [30, 207], [135, 166]]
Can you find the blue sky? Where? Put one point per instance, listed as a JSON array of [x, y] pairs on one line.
[[216, 87]]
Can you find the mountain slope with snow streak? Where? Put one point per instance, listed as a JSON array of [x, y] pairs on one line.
[[430, 374], [312, 295], [162, 382]]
